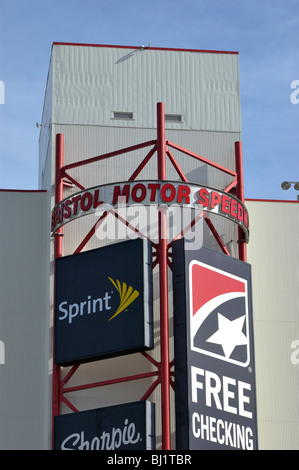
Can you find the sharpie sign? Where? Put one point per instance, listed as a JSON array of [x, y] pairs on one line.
[[103, 303], [109, 197], [130, 426], [215, 402]]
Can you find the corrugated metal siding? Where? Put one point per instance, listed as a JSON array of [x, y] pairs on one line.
[[88, 141], [83, 142], [24, 322], [91, 82], [45, 133], [273, 252]]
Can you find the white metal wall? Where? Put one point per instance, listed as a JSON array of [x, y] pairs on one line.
[[87, 83], [273, 252], [24, 321], [85, 86], [90, 83]]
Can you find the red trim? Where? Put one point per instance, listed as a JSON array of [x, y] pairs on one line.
[[271, 200], [56, 375], [103, 383], [108, 155], [139, 47], [23, 190], [216, 235], [163, 284], [202, 159], [240, 196]]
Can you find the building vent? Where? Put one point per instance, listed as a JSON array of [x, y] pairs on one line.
[[122, 115], [173, 118]]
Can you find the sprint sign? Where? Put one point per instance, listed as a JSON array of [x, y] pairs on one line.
[[215, 380]]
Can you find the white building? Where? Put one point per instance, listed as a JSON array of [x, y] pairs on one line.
[[102, 99]]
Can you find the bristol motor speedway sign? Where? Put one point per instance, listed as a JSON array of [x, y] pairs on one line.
[[147, 193], [103, 302], [214, 356], [130, 426]]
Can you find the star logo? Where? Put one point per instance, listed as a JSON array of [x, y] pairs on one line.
[[229, 334], [219, 322]]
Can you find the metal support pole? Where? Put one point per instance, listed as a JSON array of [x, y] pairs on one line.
[[57, 254], [59, 189], [163, 283], [240, 196]]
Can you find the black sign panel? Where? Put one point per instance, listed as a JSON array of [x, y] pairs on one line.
[[103, 303], [130, 426], [214, 355]]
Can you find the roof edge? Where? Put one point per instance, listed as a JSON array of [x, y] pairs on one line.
[[271, 200], [144, 47], [23, 190]]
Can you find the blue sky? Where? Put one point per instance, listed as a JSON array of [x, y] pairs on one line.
[[264, 32]]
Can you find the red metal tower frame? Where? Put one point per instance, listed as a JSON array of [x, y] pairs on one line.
[[161, 256]]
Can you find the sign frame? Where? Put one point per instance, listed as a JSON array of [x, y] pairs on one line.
[[111, 196], [215, 398], [104, 303], [128, 426]]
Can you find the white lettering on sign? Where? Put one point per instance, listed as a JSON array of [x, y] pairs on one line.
[[112, 440], [222, 432], [227, 394], [148, 193], [88, 306]]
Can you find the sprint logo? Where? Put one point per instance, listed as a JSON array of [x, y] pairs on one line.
[[127, 295], [93, 305]]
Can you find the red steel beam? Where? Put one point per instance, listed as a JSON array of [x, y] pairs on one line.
[[109, 155], [150, 389], [143, 163], [57, 254], [162, 258], [131, 227], [216, 235], [69, 375], [91, 232], [188, 227], [72, 180], [104, 383], [176, 165], [163, 283], [230, 186], [202, 159], [240, 196], [69, 404]]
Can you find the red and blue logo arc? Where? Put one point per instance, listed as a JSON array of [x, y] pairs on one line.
[[218, 314]]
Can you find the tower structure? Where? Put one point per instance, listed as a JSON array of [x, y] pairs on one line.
[[120, 114]]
